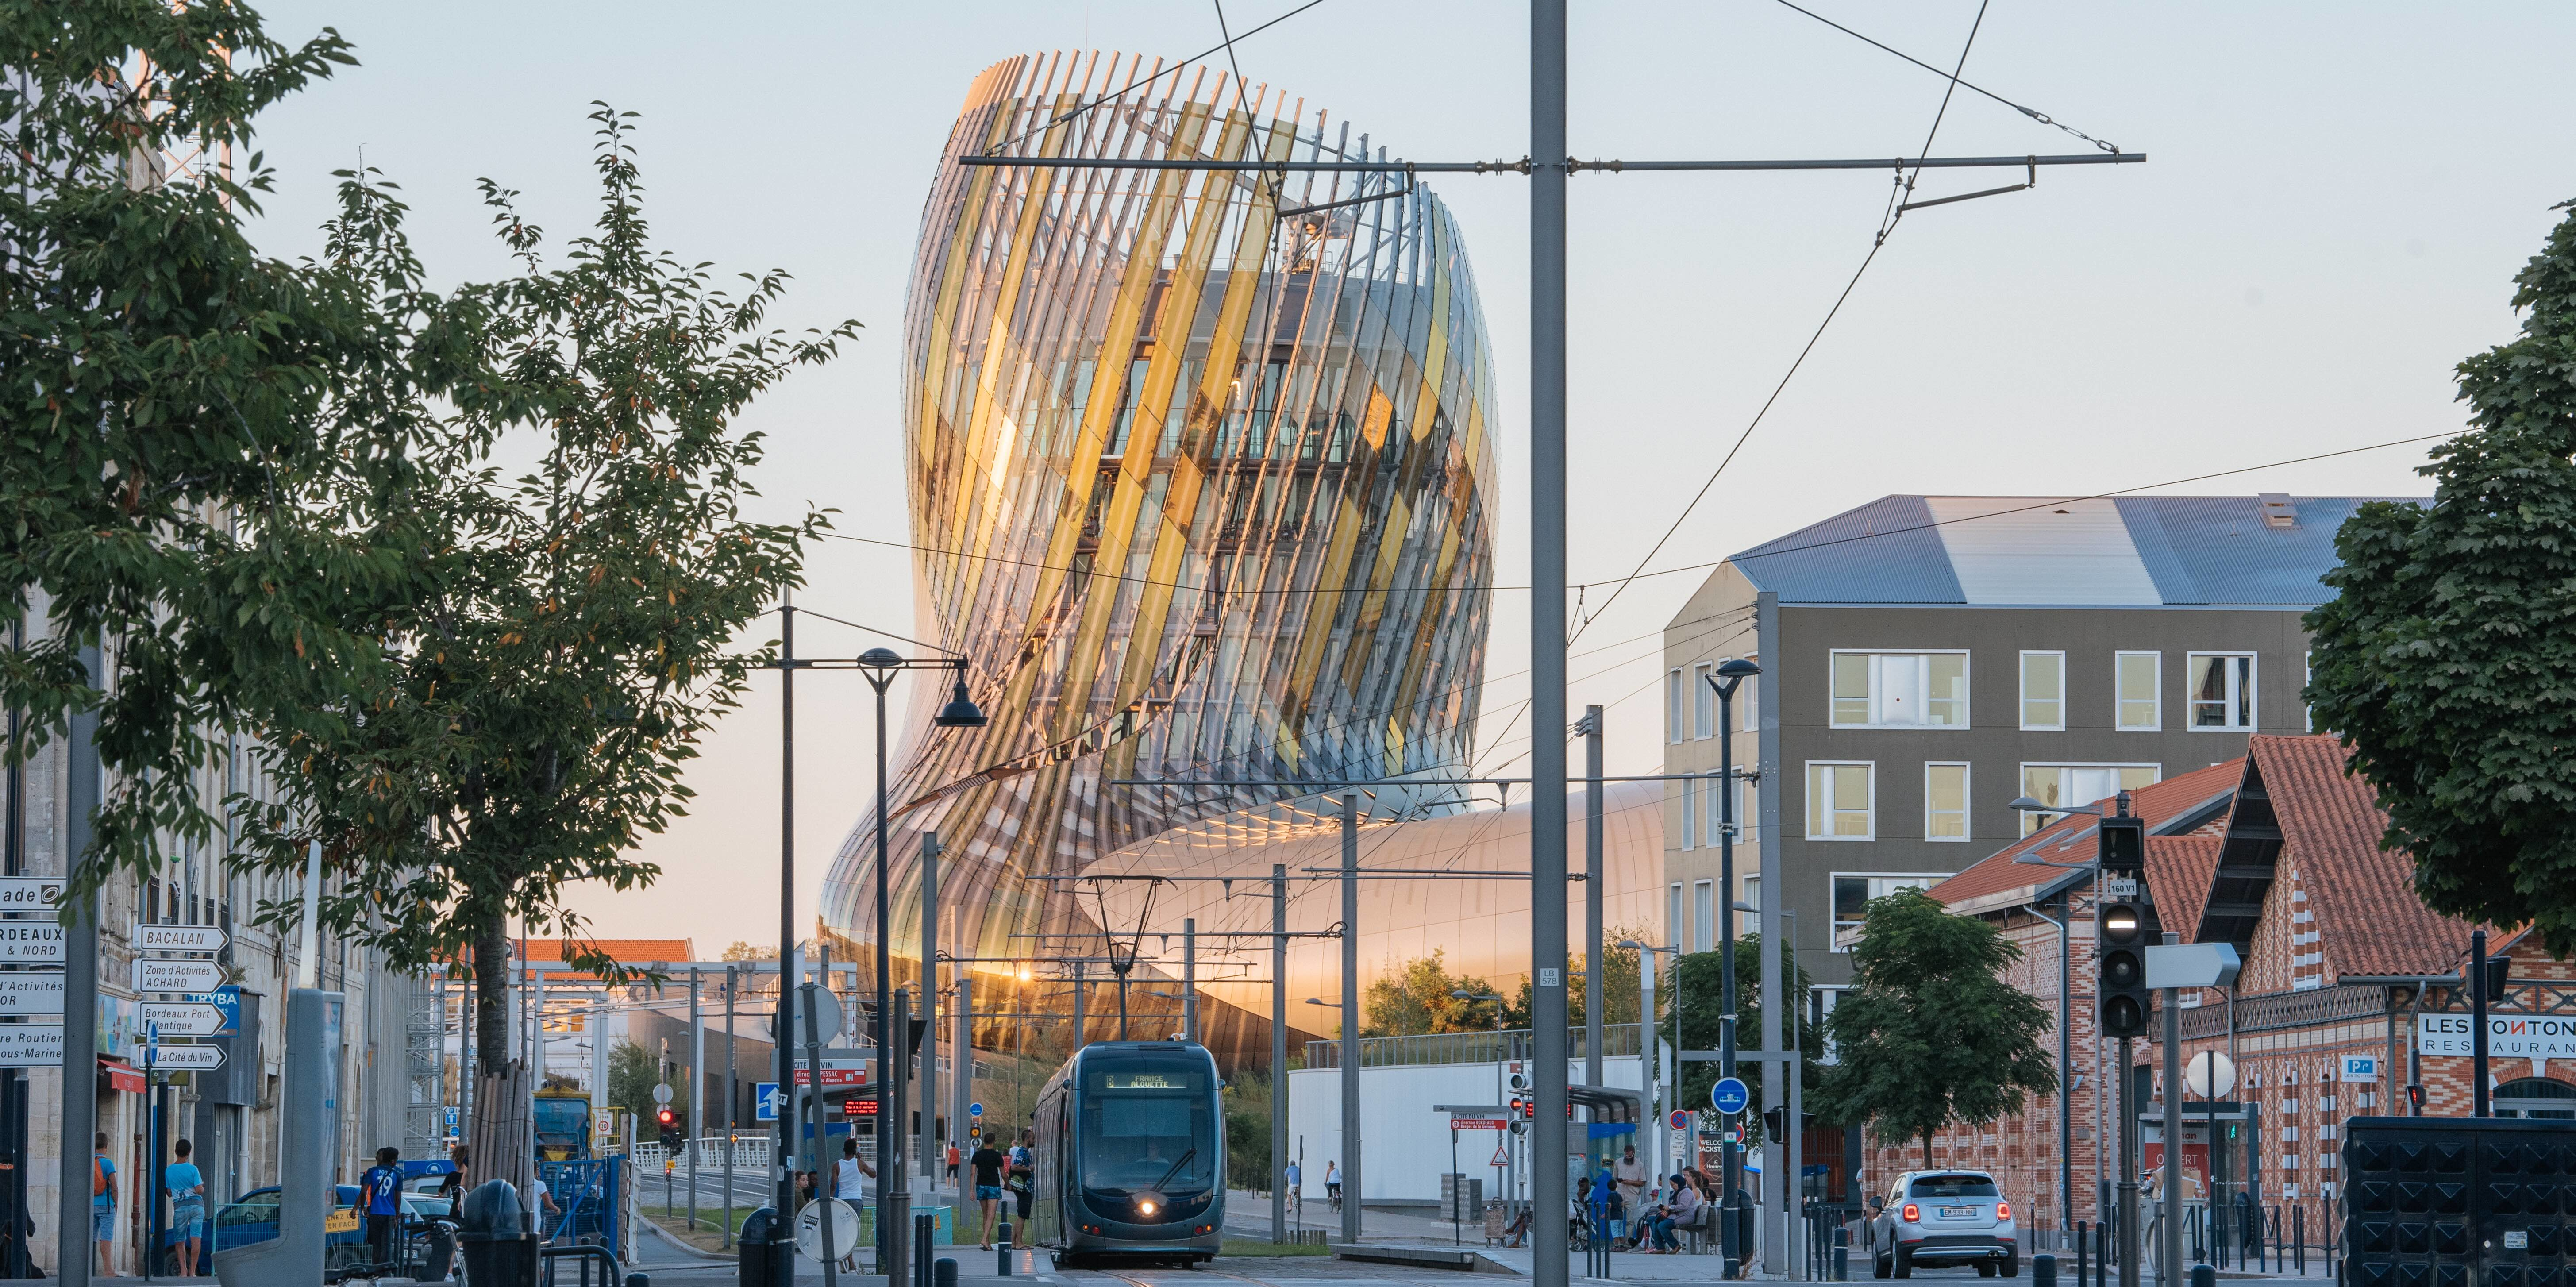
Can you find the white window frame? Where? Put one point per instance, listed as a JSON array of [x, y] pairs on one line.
[[2249, 700], [1703, 915], [1967, 786], [1748, 808], [1690, 815], [2155, 690], [1967, 676], [1748, 701], [1870, 810], [1833, 919], [2021, 676], [1675, 927], [1703, 701], [2031, 822], [1673, 707]]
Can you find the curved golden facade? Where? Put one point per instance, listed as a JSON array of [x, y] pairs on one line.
[[1200, 474]]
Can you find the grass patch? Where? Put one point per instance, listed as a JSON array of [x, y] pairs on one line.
[[1251, 1247], [708, 1235]]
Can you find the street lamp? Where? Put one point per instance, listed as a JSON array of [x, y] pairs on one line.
[[1729, 676], [880, 666], [1463, 994], [2066, 984]]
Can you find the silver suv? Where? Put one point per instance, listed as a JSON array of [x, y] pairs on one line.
[[1945, 1217]]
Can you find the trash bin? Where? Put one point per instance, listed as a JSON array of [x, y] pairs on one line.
[[491, 1231], [765, 1250]]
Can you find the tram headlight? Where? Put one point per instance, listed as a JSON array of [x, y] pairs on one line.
[[1148, 1203]]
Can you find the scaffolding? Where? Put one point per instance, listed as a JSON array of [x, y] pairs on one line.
[[425, 1073]]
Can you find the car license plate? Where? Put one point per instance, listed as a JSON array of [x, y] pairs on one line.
[[1958, 1212]]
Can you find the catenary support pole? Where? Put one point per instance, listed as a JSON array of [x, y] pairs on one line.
[[929, 1131], [79, 1109], [1593, 880], [2478, 1003], [783, 1030], [1278, 1052], [2130, 1247], [1351, 1190], [733, 1100], [2169, 1205], [1081, 992], [1190, 978], [961, 1092], [1547, 638], [1731, 1191], [694, 1127], [1657, 1137]]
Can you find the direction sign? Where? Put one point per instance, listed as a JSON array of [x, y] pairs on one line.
[[1729, 1095], [30, 893], [182, 1018], [155, 975], [766, 1101], [1479, 1123], [180, 938], [974, 1110], [183, 1058], [31, 1045], [32, 992], [833, 1076], [31, 943], [1680, 1120]]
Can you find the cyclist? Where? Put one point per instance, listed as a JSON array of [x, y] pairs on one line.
[[1333, 1183]]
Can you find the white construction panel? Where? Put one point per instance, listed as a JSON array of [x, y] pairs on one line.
[[2071, 553]]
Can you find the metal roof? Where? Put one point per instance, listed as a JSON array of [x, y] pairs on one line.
[[2035, 551]]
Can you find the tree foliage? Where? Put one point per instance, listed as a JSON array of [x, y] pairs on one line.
[[1413, 997], [1694, 1007], [1930, 1033], [575, 639], [633, 1072], [206, 455], [2447, 658]]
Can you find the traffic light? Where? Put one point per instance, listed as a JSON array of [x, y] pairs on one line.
[[667, 1122], [2122, 929]]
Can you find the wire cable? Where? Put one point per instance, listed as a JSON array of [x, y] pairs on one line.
[[874, 631], [2031, 112], [1132, 86]]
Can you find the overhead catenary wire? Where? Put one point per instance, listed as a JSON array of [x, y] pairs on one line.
[[1132, 86], [2031, 112]]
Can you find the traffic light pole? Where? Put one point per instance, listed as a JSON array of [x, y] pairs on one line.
[[2128, 1169]]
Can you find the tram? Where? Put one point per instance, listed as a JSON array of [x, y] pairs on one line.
[[1130, 1156]]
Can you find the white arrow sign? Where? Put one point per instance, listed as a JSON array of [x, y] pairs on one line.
[[180, 938], [30, 893], [183, 1058], [177, 976], [31, 943], [33, 992], [29, 1045], [182, 1018]]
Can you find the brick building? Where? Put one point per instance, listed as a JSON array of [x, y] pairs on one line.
[[2349, 991]]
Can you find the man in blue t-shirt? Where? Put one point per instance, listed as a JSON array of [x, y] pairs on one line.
[[102, 1206], [380, 1193]]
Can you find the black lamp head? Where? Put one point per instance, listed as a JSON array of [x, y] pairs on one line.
[[1737, 668], [961, 710], [880, 658]]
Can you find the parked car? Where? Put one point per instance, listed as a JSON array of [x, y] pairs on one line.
[[1944, 1217], [252, 1218]]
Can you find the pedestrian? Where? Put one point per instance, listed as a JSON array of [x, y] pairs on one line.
[[849, 1179], [1296, 1195], [453, 1187], [988, 1163], [102, 1205], [187, 1186], [1023, 1175], [380, 1186], [952, 1162], [1632, 1178]]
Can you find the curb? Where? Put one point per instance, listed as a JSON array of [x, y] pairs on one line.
[[684, 1248]]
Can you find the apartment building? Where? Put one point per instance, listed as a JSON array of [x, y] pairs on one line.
[[1927, 659]]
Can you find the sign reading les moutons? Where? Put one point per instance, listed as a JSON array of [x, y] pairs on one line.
[[2509, 1036]]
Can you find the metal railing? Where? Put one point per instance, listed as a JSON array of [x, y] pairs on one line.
[[1469, 1047], [2274, 1011]]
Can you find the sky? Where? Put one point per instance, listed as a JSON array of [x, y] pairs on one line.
[[2335, 201]]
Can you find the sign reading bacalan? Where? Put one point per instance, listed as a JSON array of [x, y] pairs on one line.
[[2509, 1036]]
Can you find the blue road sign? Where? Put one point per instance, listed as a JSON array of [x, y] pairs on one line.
[[1729, 1095], [227, 999], [974, 1110], [765, 1094]]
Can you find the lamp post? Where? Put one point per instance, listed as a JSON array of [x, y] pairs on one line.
[[1729, 676], [1350, 1105], [1651, 1064], [880, 666]]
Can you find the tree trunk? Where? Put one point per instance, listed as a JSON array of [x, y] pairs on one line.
[[1927, 1150], [503, 1087]]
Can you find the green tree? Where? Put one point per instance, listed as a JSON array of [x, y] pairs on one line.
[[1620, 993], [576, 640], [1414, 997], [632, 1074], [2447, 658], [207, 456], [1693, 1001], [1930, 1033], [1247, 1131]]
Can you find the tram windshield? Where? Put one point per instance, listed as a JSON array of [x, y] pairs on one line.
[[1146, 1124]]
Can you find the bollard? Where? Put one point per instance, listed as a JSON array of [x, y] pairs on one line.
[[2083, 1252], [924, 1229], [1842, 1253], [2204, 1276], [1004, 1242], [943, 1272], [2043, 1270]]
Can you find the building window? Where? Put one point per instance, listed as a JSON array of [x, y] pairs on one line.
[[1703, 700], [1747, 810], [2307, 676], [1853, 891], [1900, 690], [1838, 801], [1703, 915], [2140, 699], [1673, 923], [1748, 703], [2043, 690], [1945, 802], [1690, 815], [1673, 707], [2071, 785], [2222, 690]]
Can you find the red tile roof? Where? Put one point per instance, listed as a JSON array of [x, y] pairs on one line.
[[624, 951], [2363, 896], [1999, 881]]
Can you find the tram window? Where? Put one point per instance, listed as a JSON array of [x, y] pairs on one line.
[[1146, 1125]]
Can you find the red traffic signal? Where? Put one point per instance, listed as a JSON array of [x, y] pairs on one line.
[[665, 1117]]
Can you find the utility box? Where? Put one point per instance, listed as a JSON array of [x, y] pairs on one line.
[[1462, 1197], [2458, 1202]]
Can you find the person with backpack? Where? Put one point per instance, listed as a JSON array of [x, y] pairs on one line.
[[102, 1205], [380, 1193]]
